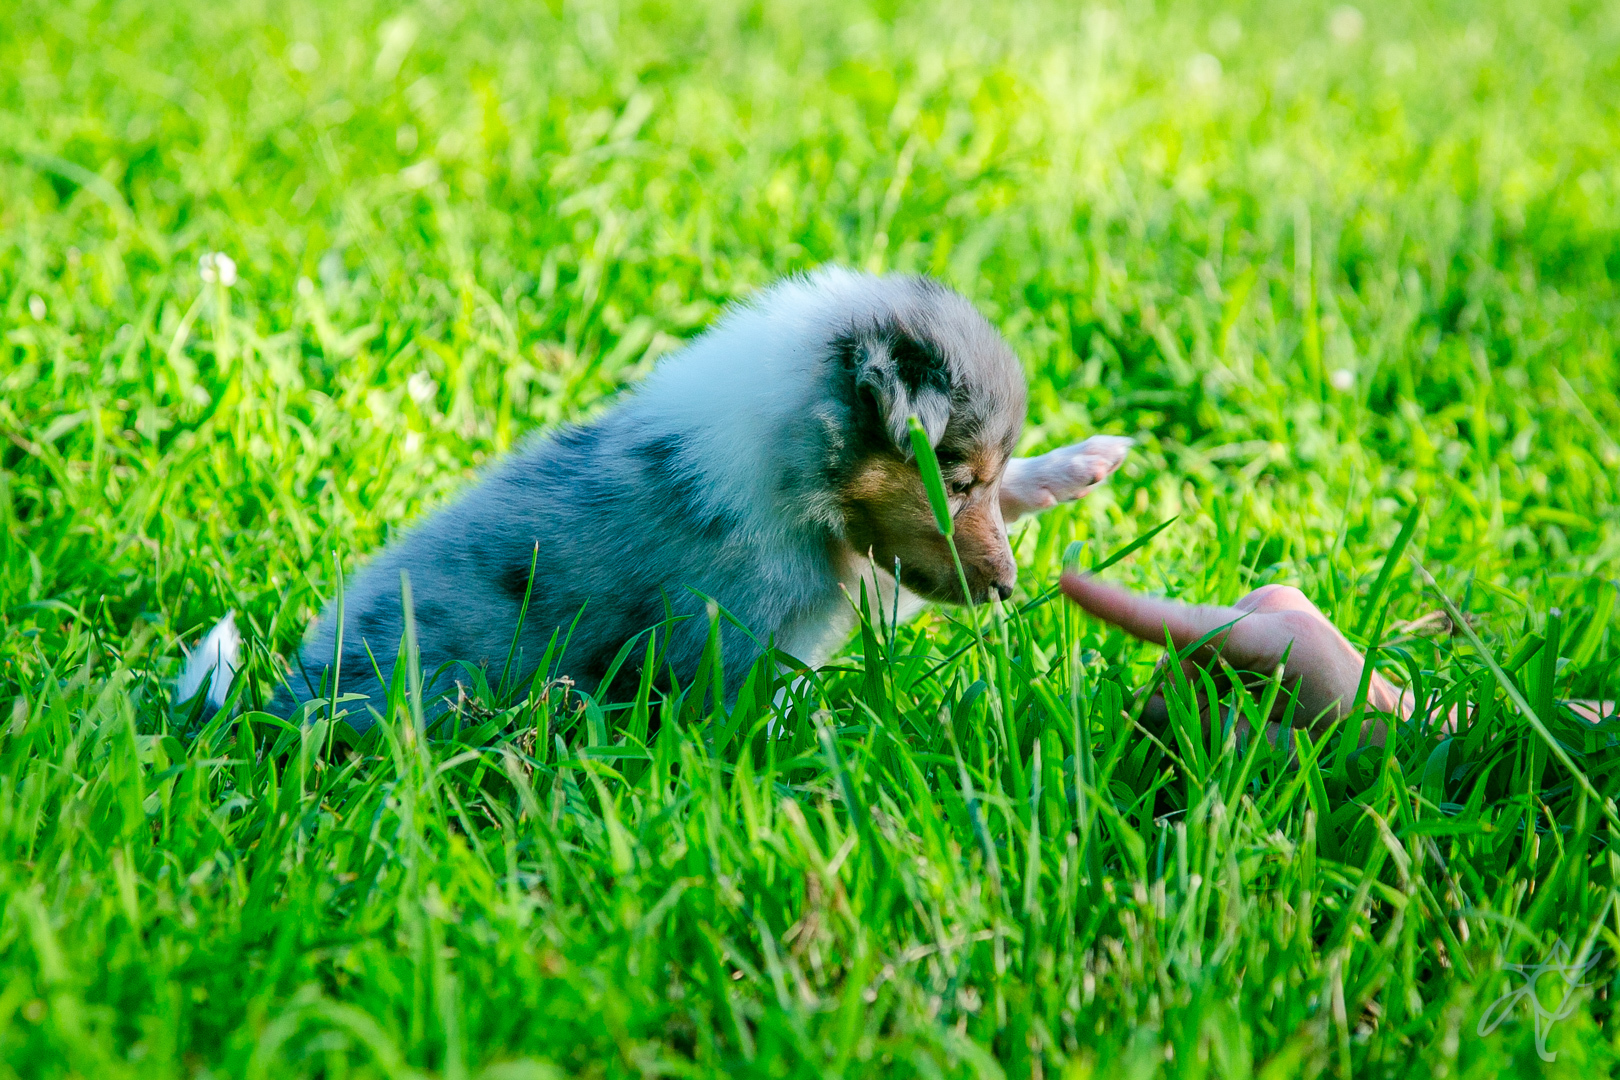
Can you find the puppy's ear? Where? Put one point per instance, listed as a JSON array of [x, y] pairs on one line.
[[903, 377]]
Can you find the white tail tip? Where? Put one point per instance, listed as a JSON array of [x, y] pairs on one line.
[[219, 655]]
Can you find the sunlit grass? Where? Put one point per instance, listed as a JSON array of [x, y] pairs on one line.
[[1331, 269]]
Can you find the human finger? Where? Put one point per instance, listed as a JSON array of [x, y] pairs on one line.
[[1593, 711], [1270, 598], [1148, 617]]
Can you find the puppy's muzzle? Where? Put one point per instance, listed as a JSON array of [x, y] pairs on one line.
[[992, 582]]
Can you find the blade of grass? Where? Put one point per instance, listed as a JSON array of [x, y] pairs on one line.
[[1524, 707], [1408, 527]]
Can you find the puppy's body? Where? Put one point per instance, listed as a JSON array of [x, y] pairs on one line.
[[763, 466]]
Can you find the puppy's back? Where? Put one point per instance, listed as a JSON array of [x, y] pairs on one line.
[[624, 523]]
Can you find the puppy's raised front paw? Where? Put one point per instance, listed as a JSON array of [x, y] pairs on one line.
[[1062, 475], [1075, 470]]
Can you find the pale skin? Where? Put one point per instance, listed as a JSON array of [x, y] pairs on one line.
[[1266, 624]]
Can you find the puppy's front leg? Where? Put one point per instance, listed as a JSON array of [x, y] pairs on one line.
[[1063, 475]]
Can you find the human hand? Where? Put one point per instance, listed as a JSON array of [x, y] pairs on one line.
[[1063, 475], [1266, 624]]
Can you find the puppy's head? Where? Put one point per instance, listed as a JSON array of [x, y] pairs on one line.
[[921, 350]]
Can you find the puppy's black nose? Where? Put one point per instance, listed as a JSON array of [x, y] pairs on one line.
[[1003, 591]]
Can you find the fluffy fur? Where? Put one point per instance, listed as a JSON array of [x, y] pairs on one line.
[[212, 664], [763, 466]]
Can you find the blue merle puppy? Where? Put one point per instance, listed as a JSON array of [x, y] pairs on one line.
[[766, 466]]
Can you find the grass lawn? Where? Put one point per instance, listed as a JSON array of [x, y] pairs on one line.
[[1337, 271]]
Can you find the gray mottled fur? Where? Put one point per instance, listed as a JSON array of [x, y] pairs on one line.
[[718, 477]]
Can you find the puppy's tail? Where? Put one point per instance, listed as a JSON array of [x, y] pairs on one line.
[[214, 662]]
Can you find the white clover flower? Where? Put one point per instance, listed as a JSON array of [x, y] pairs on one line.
[[1203, 71], [1343, 380], [303, 56], [217, 266], [1346, 25], [422, 388]]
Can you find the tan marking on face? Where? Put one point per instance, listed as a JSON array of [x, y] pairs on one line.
[[981, 541], [978, 463], [987, 463], [887, 513], [882, 479]]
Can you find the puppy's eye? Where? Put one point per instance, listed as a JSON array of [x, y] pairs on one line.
[[961, 487]]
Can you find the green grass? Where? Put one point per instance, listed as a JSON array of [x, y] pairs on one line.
[[1324, 279]]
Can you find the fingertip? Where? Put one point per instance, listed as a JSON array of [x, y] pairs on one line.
[[1074, 584], [1096, 597]]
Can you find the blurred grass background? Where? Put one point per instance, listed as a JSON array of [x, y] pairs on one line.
[[1325, 263]]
